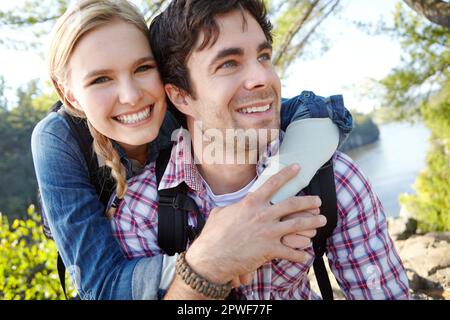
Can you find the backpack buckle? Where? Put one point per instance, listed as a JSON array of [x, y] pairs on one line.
[[170, 201]]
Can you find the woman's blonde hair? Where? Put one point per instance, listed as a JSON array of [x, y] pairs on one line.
[[77, 21]]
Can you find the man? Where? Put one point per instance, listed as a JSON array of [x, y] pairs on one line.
[[215, 58]]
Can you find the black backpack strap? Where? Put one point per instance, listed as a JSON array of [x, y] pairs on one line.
[[323, 185], [61, 274], [173, 209]]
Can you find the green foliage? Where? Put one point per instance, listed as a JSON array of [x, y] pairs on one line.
[[431, 204], [420, 89], [28, 261], [425, 64]]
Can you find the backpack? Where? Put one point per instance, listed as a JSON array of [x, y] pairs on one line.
[[174, 231]]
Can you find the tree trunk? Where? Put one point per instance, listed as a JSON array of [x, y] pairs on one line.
[[434, 10]]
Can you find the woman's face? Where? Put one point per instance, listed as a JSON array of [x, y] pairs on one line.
[[113, 78]]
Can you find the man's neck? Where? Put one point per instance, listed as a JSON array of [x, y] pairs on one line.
[[221, 177], [227, 178]]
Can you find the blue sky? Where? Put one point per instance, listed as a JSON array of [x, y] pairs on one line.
[[346, 68]]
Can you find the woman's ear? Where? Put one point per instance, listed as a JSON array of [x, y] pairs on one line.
[[179, 98], [68, 95]]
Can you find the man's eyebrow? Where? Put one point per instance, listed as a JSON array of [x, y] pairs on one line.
[[104, 71], [225, 53], [265, 45]]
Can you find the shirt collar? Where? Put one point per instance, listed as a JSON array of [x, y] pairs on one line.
[[182, 168]]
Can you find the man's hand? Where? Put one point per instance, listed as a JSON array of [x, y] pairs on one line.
[[238, 239]]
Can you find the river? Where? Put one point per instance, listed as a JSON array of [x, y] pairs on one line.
[[393, 162]]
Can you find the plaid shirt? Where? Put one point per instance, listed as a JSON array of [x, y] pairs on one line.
[[360, 252]]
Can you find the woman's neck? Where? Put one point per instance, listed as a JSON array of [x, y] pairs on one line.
[[138, 153]]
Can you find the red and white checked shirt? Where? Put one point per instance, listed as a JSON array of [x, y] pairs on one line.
[[360, 252]]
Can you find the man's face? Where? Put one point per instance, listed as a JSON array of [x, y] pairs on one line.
[[234, 81]]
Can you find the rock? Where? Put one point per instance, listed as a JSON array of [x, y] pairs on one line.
[[402, 228], [337, 292], [427, 261]]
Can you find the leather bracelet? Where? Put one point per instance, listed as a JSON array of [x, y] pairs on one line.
[[198, 283]]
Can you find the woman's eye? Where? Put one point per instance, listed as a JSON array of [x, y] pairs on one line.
[[144, 68], [100, 80]]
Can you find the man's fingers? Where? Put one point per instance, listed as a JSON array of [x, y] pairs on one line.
[[293, 255], [271, 186], [300, 224], [246, 279], [294, 205], [308, 233], [295, 241], [236, 282], [310, 213]]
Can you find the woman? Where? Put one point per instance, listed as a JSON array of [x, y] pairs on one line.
[[102, 69], [118, 89]]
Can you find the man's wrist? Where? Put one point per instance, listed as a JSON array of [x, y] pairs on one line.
[[203, 266], [199, 283]]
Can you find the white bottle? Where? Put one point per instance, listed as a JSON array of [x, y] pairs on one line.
[[308, 142]]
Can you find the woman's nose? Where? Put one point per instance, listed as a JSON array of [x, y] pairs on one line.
[[130, 93]]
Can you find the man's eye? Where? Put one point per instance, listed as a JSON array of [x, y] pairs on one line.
[[100, 80], [144, 68], [265, 57], [228, 64]]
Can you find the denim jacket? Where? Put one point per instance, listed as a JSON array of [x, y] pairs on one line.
[[93, 258]]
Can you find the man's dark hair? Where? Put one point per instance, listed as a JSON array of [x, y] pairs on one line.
[[175, 32]]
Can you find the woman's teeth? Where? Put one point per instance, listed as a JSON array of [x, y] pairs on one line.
[[254, 109], [136, 117]]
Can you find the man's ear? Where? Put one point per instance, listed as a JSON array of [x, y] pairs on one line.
[[179, 98]]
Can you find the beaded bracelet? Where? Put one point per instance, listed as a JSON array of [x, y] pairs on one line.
[[198, 283]]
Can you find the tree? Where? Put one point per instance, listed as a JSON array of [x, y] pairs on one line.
[[296, 23], [16, 165], [425, 64], [434, 10], [420, 89], [3, 100]]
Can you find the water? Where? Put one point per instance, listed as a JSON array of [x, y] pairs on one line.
[[393, 162]]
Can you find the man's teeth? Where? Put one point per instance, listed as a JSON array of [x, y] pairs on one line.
[[254, 109], [136, 117]]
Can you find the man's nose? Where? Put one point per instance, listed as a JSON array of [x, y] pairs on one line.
[[129, 92], [257, 77]]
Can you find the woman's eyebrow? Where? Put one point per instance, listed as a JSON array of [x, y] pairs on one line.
[[96, 73], [103, 71], [144, 59]]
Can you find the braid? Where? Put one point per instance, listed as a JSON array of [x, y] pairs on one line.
[[104, 148]]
